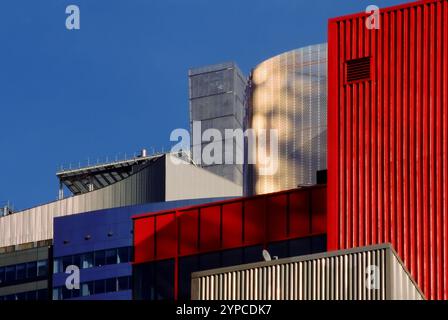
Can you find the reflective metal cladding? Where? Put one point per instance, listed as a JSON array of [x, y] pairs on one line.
[[289, 93]]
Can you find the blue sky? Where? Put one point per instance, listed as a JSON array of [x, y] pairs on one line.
[[120, 82]]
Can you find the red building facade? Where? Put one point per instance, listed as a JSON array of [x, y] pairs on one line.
[[388, 137], [169, 245]]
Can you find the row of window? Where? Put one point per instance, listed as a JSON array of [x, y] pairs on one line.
[[23, 272], [93, 287], [94, 259], [30, 296]]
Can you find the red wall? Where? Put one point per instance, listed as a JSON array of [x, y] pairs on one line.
[[388, 139], [230, 224]]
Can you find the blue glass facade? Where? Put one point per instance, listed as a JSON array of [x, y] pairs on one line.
[[100, 244]]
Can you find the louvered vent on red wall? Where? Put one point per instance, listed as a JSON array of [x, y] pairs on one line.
[[358, 70]]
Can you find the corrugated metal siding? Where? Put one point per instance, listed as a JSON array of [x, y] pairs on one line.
[[388, 139], [161, 181], [402, 286], [337, 276], [36, 224]]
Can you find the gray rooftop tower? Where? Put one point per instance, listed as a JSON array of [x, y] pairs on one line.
[[217, 100]]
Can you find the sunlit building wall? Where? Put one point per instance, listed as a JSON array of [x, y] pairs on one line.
[[289, 93]]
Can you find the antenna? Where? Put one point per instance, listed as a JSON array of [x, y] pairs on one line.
[[266, 255]]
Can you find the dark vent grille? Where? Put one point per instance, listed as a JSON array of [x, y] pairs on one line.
[[358, 70]]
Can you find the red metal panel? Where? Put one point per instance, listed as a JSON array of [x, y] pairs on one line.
[[144, 239], [299, 214], [319, 211], [387, 138], [166, 236], [232, 225], [210, 228], [188, 231], [229, 224], [255, 221], [277, 207]]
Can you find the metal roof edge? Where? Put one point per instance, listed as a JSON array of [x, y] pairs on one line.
[[223, 202], [383, 10], [315, 256]]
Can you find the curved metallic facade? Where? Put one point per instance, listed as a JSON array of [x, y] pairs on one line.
[[289, 93]]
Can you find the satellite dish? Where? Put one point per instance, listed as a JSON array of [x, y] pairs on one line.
[[266, 255]]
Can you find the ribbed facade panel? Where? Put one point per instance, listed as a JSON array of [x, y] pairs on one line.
[[388, 138], [36, 224], [158, 182], [289, 93], [336, 276]]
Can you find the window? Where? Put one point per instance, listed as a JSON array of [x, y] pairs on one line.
[[76, 293], [66, 293], [279, 249], [42, 294], [87, 260], [57, 266], [111, 285], [31, 270], [124, 283], [100, 287], [155, 280], [10, 274], [21, 271], [87, 289], [111, 256], [124, 255], [187, 265], [57, 294], [94, 259], [66, 261], [11, 297], [77, 261], [2, 275], [100, 258], [21, 296], [42, 268], [319, 244], [31, 296]]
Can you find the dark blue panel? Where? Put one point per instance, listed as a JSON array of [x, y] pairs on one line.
[[104, 229], [81, 234]]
